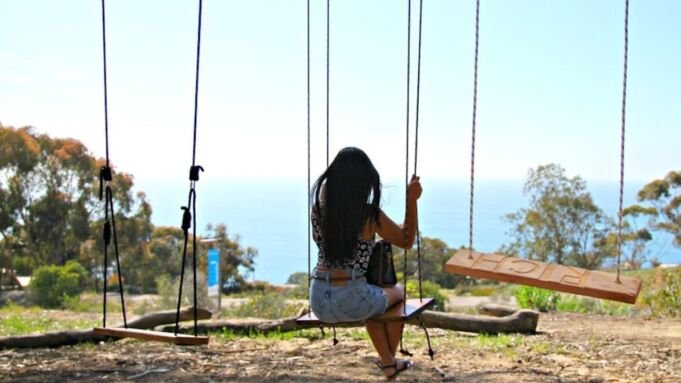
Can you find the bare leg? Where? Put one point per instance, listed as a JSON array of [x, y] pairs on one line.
[[379, 338], [394, 329], [386, 336]]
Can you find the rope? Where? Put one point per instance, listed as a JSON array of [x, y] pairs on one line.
[[105, 178], [624, 108], [118, 261], [196, 82], [416, 144], [406, 151], [328, 54], [475, 108], [189, 211], [309, 167], [106, 100]]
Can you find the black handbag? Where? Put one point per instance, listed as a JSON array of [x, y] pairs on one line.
[[381, 270]]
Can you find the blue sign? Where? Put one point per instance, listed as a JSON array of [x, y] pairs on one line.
[[213, 272]]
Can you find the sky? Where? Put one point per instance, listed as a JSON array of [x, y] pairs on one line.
[[550, 84]]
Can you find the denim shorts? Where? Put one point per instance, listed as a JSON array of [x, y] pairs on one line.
[[353, 302]]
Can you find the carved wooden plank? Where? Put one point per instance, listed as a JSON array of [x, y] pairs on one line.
[[567, 279], [179, 339], [395, 313]]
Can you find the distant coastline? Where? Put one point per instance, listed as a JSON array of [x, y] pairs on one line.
[[270, 215]]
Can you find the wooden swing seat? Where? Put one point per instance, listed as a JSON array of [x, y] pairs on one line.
[[396, 313], [179, 339], [597, 284]]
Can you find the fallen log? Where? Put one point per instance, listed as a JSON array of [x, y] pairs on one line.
[[496, 310], [67, 338], [519, 321]]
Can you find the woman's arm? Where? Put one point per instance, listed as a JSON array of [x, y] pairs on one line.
[[402, 236]]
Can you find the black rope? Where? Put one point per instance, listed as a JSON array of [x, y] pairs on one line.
[[418, 90], [431, 353], [309, 168], [189, 211], [475, 108], [624, 111], [106, 103], [105, 178], [328, 54], [406, 151], [416, 145], [186, 224], [118, 261], [196, 83]]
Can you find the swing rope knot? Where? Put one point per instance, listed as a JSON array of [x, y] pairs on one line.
[[186, 219], [107, 233], [194, 172], [104, 175]]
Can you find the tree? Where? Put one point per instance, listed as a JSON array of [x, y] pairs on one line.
[[50, 212], [232, 255], [298, 278], [664, 198], [634, 239], [47, 194], [434, 254], [562, 223]]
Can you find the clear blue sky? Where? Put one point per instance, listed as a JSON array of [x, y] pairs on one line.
[[549, 88]]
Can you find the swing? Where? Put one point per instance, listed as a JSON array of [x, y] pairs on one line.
[[574, 280], [407, 308], [105, 178]]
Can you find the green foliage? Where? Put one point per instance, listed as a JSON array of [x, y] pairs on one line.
[[297, 278], [663, 296], [51, 285], [300, 290], [500, 342], [266, 305], [562, 223], [434, 254], [50, 213], [168, 289], [47, 194], [430, 290], [19, 320], [483, 291], [233, 257], [664, 199], [535, 298], [585, 305]]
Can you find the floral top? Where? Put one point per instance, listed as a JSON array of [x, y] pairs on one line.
[[359, 260]]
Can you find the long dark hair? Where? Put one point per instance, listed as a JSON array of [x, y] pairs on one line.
[[351, 193]]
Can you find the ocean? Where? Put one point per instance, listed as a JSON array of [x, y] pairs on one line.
[[271, 215]]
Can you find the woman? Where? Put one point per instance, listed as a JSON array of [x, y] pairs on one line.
[[345, 218]]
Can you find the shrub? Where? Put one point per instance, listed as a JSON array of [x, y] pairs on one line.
[[267, 305], [430, 290], [535, 298], [51, 285], [663, 297], [575, 304], [168, 289]]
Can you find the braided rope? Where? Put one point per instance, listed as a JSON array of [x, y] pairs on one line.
[[623, 121], [475, 109]]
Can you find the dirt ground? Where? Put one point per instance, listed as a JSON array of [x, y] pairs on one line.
[[569, 348]]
